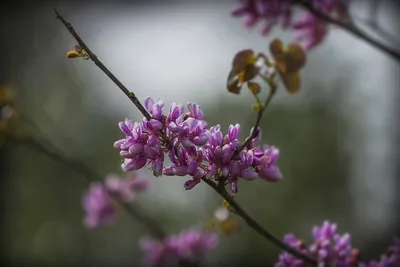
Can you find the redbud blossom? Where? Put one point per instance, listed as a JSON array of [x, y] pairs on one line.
[[98, 204], [189, 245], [389, 259], [194, 148], [330, 248], [309, 29]]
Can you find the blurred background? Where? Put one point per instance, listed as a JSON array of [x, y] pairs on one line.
[[338, 137]]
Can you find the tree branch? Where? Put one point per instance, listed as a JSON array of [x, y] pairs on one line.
[[101, 66], [373, 22], [351, 28], [55, 154], [256, 226]]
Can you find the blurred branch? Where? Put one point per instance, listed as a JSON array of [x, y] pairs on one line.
[[373, 23], [256, 226], [101, 66], [46, 148], [351, 28]]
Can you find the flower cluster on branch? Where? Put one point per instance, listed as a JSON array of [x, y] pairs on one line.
[[332, 249], [194, 148]]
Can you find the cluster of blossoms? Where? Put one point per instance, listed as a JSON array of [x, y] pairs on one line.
[[189, 245], [309, 29], [98, 203], [194, 149], [334, 250], [390, 259]]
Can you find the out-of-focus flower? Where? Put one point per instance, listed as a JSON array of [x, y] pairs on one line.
[[309, 29], [389, 259], [328, 248], [193, 148], [189, 245], [270, 12], [99, 202], [98, 206], [126, 188]]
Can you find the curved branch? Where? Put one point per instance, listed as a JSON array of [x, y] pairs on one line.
[[44, 147], [101, 66], [374, 24], [351, 28], [256, 226]]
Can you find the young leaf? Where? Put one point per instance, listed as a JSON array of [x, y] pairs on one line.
[[254, 87], [288, 62], [243, 70]]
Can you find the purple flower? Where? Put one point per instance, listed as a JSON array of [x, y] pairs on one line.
[[267, 169], [194, 148], [126, 188], [288, 260], [271, 12], [98, 204], [390, 259], [328, 247], [308, 29], [332, 6], [189, 245], [334, 249]]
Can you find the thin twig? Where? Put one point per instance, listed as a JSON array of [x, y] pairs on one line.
[[101, 66], [57, 155], [256, 226], [258, 120], [350, 28], [238, 210]]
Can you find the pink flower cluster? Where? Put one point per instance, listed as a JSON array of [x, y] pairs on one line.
[[390, 259], [194, 149], [98, 202], [189, 245], [328, 247], [310, 30], [334, 249]]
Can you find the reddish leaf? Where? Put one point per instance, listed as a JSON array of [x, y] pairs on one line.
[[254, 87]]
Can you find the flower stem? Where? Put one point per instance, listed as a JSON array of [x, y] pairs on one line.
[[260, 113]]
